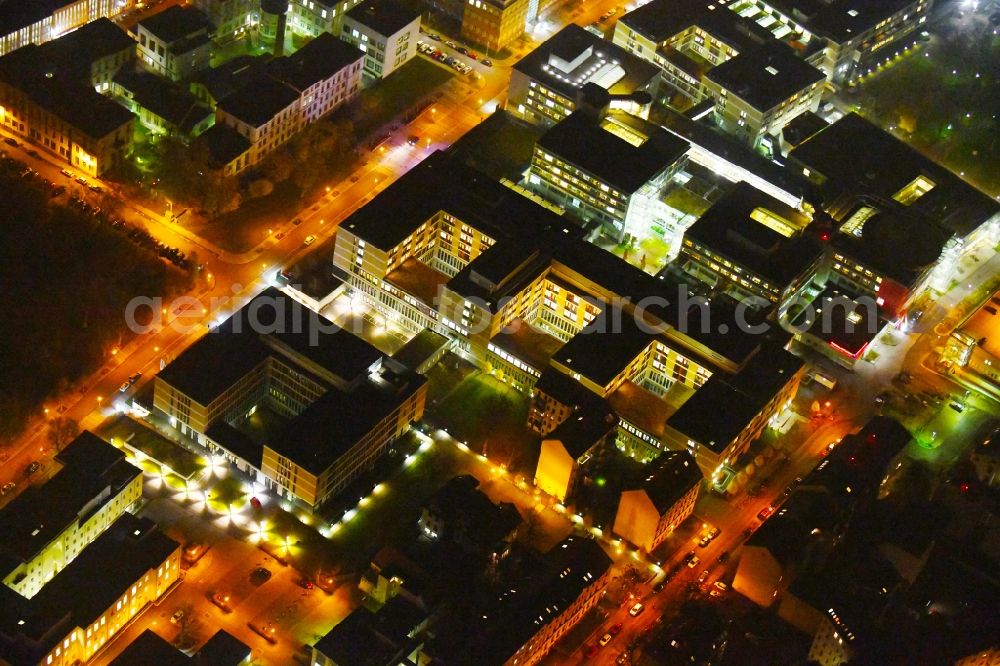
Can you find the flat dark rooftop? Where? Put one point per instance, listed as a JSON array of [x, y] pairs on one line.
[[728, 229], [604, 348], [172, 102], [568, 45], [335, 422], [224, 144], [419, 348], [225, 79], [320, 59], [257, 104], [766, 76], [843, 20], [888, 230], [150, 649], [581, 431], [835, 329], [37, 515], [442, 183], [856, 157], [723, 407], [236, 442], [62, 92], [231, 350], [386, 17], [660, 20], [92, 41], [176, 23], [670, 477], [584, 141], [89, 585]]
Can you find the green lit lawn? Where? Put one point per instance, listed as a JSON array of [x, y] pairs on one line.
[[490, 416]]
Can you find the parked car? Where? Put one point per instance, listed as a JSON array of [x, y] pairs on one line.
[[636, 609], [719, 585], [309, 240], [33, 153], [177, 616], [11, 142], [605, 639], [32, 468], [7, 487], [81, 180], [487, 62], [766, 512], [124, 387], [695, 561], [616, 628], [413, 140], [703, 576]]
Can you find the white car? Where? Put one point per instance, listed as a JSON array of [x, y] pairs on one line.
[[310, 239], [636, 609]]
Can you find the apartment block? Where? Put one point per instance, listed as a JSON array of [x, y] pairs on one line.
[[113, 580], [493, 24], [686, 40], [606, 167], [386, 31], [546, 84], [24, 23], [760, 91], [176, 42], [47, 526], [650, 510], [290, 93], [753, 246], [304, 415]]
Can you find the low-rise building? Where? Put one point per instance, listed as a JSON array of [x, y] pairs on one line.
[[813, 519], [228, 151], [48, 94], [335, 401], [523, 618], [391, 636], [47, 526], [231, 18], [267, 115], [114, 579], [493, 24], [463, 516], [545, 85], [386, 31], [760, 91], [651, 510], [972, 355], [268, 108], [176, 42], [23, 23], [162, 106]]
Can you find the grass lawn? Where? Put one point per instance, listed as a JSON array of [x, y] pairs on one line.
[[394, 95], [490, 417], [245, 227], [123, 431], [942, 99]]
